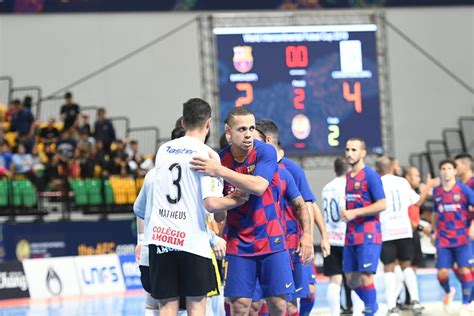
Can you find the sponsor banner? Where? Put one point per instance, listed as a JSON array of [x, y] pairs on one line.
[[13, 282], [51, 277], [45, 240], [131, 272], [99, 274]]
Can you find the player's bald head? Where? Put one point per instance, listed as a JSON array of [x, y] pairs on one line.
[[235, 112], [383, 165]]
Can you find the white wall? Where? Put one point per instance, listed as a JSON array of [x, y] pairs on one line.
[[54, 50]]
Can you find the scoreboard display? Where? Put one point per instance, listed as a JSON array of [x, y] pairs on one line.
[[319, 84]]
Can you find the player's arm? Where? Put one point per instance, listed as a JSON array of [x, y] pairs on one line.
[[305, 246], [139, 209], [319, 221], [221, 204], [370, 210], [255, 184], [427, 189]]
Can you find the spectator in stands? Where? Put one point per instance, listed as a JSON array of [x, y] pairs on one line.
[[22, 122], [5, 159], [85, 142], [66, 146], [131, 149], [90, 164], [28, 102], [104, 130], [69, 112], [2, 135], [49, 133], [75, 164], [22, 162], [54, 171], [85, 126]]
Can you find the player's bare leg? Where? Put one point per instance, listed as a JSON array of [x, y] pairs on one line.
[[196, 305], [169, 307], [255, 308], [276, 305], [240, 306], [151, 305]]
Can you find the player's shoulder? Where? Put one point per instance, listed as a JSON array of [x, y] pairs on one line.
[[370, 173], [334, 184], [284, 174], [291, 166], [262, 147], [150, 175]]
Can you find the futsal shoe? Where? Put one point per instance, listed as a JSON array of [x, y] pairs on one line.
[[448, 299]]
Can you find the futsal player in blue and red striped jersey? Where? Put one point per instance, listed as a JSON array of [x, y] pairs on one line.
[[293, 229], [451, 203], [365, 199], [296, 214], [254, 231]]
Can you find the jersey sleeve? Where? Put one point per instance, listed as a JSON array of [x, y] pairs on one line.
[[303, 186], [212, 186], [266, 165], [469, 193], [292, 191], [375, 187]]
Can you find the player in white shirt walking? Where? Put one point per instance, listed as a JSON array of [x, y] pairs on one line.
[[179, 251], [333, 195], [397, 235]]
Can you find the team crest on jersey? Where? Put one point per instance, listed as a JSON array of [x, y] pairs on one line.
[[456, 197], [357, 185], [250, 169], [243, 59]]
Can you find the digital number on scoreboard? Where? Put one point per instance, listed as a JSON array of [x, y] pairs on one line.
[[318, 83]]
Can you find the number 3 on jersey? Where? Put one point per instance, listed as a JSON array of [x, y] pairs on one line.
[[176, 180]]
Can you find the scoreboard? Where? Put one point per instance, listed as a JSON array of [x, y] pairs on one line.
[[319, 84]]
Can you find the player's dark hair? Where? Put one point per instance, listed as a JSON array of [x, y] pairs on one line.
[[262, 134], [177, 132], [268, 127], [362, 142], [178, 122], [16, 102], [68, 95], [223, 143], [340, 166], [447, 161], [196, 112], [237, 111], [463, 156]]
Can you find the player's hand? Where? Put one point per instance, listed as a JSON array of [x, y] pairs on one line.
[[239, 196], [432, 182], [219, 248], [138, 252], [348, 216], [427, 229], [325, 247], [206, 165], [305, 248]]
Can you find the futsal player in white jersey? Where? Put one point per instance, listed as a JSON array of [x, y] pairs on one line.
[[333, 195], [397, 235], [179, 251]]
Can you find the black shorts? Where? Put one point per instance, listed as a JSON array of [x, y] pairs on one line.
[[180, 273], [401, 249], [145, 278], [417, 260], [333, 263]]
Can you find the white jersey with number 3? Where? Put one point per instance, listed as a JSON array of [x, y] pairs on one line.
[[333, 195], [178, 217], [395, 219]]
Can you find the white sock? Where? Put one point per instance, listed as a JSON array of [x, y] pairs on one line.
[[183, 313], [358, 305], [411, 283], [152, 312], [399, 280], [333, 296], [390, 289]]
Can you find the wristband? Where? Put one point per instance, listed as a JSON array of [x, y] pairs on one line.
[[140, 238], [420, 228], [213, 240]]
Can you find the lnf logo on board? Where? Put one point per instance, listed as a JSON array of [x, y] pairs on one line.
[[99, 274]]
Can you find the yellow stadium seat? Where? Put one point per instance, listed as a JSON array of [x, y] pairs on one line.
[[11, 138]]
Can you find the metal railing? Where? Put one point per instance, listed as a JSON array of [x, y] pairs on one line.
[[32, 91], [6, 84], [147, 138]]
